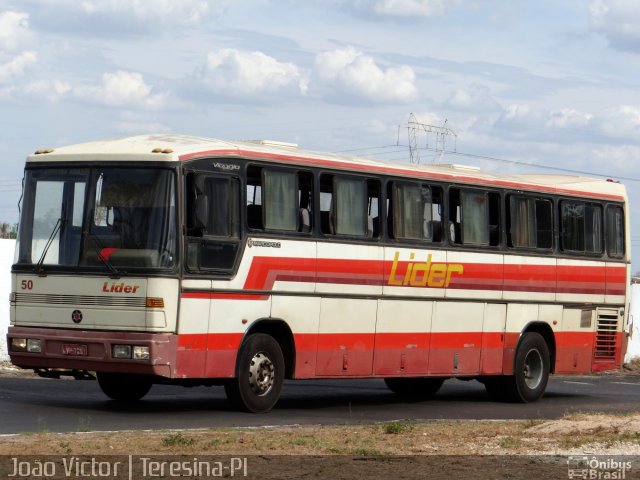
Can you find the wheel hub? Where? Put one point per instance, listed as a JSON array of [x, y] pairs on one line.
[[261, 374], [533, 366]]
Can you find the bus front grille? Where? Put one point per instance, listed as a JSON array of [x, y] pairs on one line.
[[73, 300]]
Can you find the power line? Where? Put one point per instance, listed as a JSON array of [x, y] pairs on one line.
[[493, 159]]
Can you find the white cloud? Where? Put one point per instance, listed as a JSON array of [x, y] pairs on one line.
[[16, 66], [618, 21], [236, 72], [137, 128], [567, 118], [14, 30], [52, 90], [409, 8], [622, 121], [476, 98], [182, 12], [122, 89], [353, 73], [616, 159]]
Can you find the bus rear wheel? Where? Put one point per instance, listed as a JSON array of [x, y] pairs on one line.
[[124, 387], [414, 387], [531, 373], [259, 375]]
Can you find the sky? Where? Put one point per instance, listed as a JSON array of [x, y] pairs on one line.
[[524, 86]]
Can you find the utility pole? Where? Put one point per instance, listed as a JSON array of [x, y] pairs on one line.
[[415, 129]]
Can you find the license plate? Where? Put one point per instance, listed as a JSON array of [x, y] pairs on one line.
[[74, 349]]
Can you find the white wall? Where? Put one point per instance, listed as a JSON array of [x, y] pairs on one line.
[[633, 348], [6, 259]]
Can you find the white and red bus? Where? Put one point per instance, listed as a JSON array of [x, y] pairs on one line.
[[176, 259]]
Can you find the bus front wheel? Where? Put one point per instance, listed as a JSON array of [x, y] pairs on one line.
[[124, 387], [259, 375]]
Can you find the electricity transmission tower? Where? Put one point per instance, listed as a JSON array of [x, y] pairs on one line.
[[415, 129]]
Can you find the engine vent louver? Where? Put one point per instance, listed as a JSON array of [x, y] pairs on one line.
[[606, 334]]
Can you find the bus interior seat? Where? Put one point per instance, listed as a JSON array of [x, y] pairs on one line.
[[369, 226], [305, 220]]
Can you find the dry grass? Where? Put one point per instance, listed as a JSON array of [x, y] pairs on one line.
[[591, 433]]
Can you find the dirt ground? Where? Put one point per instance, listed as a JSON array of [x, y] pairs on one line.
[[403, 449]]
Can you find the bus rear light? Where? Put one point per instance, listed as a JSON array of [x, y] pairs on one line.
[[154, 302], [12, 297]]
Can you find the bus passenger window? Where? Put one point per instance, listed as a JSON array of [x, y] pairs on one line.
[[349, 214], [416, 212], [581, 227], [615, 231], [349, 206], [474, 217], [530, 222], [279, 199]]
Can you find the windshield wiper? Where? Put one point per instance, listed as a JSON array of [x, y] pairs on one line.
[[98, 248], [39, 268]]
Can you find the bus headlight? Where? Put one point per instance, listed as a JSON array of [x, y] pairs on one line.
[[140, 353], [18, 344], [136, 352], [31, 345], [34, 345], [121, 351]]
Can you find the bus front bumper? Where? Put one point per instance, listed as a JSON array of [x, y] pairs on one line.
[[87, 350]]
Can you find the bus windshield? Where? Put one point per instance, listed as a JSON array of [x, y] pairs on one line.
[[113, 218]]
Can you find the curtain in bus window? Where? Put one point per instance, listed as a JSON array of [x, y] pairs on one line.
[[593, 224], [573, 226], [223, 207], [523, 225], [350, 211], [475, 218], [412, 212], [281, 201], [615, 231]]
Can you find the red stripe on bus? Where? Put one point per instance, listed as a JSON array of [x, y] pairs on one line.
[[365, 340], [265, 271], [389, 353], [584, 280]]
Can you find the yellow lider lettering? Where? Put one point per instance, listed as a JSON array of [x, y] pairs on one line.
[[426, 274]]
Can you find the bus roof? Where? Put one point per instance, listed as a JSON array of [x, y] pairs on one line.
[[173, 148]]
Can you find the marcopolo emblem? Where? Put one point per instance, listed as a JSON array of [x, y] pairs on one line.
[[76, 316]]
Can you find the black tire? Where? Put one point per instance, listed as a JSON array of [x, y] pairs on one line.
[[530, 375], [259, 375], [414, 387], [124, 387]]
